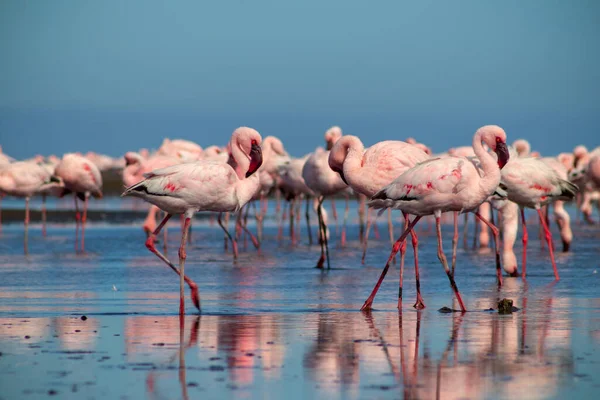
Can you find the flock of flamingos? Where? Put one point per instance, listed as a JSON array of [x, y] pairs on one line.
[[181, 178]]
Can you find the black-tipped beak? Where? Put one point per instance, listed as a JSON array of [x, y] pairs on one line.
[[256, 159], [502, 153], [329, 146]]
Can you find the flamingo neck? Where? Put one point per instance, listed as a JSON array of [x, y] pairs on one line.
[[491, 179], [238, 159], [354, 150]]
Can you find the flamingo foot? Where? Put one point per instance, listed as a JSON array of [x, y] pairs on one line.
[[514, 274], [195, 295], [321, 261], [368, 306], [419, 304]]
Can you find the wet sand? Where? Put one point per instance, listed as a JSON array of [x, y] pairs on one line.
[[272, 326]]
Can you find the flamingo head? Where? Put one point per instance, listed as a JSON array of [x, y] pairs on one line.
[[249, 140], [332, 135], [132, 158], [495, 138], [522, 146]]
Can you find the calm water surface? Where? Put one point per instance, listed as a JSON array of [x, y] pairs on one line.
[[272, 326]]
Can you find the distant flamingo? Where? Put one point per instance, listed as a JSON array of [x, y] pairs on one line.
[[440, 185], [294, 187], [24, 179], [173, 147], [561, 216], [531, 183], [323, 181], [368, 171], [202, 186], [82, 178]]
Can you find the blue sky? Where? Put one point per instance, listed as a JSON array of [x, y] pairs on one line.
[[113, 76]]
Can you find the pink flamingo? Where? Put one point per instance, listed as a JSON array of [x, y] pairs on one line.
[[24, 179], [561, 216], [323, 181], [202, 186], [173, 147], [294, 187], [530, 182], [440, 185], [82, 178], [368, 171]]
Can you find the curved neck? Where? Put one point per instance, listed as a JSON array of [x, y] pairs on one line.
[[491, 178], [354, 149], [238, 159]]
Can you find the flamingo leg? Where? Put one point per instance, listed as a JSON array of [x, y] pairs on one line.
[[475, 235], [320, 236], [77, 218], [83, 220], [361, 217], [390, 226], [228, 236], [165, 236], [150, 246], [182, 257], [366, 237], [346, 211], [454, 241], [496, 234], [44, 215], [26, 227], [525, 239], [307, 215], [402, 257], [324, 226], [334, 214], [444, 262], [255, 241], [549, 240], [419, 303], [292, 207], [466, 231], [368, 305]]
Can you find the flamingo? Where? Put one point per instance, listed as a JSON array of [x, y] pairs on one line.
[[294, 187], [368, 171], [82, 178], [173, 147], [561, 216], [323, 181], [532, 183], [440, 185], [24, 179], [202, 186]]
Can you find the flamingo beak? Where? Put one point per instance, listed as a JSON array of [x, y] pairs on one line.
[[329, 145], [256, 159], [502, 153]]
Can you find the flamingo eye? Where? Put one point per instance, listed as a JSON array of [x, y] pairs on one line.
[[254, 142], [498, 140]]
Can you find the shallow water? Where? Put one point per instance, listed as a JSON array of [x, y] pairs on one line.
[[272, 326]]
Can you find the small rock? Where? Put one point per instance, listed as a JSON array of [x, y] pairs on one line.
[[505, 306], [445, 310], [27, 337], [192, 384], [77, 330], [52, 392], [270, 342], [158, 344], [83, 318]]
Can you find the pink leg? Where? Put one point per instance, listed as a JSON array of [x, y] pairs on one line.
[[307, 216], [152, 248], [334, 214], [361, 217], [390, 226], [549, 240], [454, 241], [26, 223], [182, 257], [43, 215], [292, 208], [395, 248], [444, 262], [366, 237], [402, 257], [346, 211], [77, 219], [525, 240], [496, 234], [419, 304], [253, 238], [233, 241], [466, 231], [83, 219]]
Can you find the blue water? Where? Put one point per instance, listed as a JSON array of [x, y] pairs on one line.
[[273, 326]]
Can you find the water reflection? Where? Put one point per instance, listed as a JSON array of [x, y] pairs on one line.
[[335, 355]]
